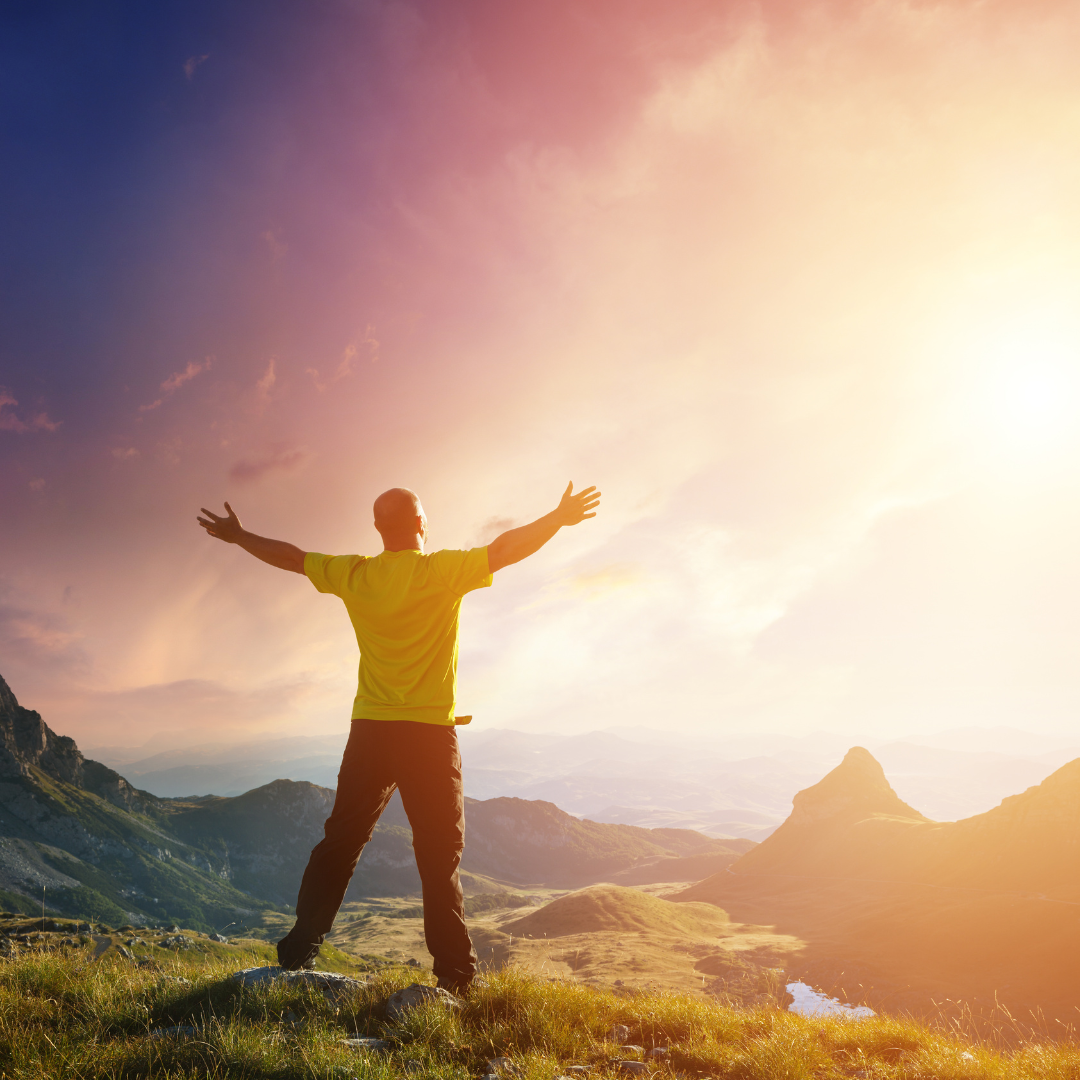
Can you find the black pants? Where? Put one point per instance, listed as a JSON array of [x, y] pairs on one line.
[[423, 762]]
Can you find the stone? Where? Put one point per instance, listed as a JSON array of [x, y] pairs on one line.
[[256, 975], [630, 1049], [412, 962], [412, 1066], [398, 1004], [178, 941], [182, 1031], [172, 929], [329, 982], [219, 938], [620, 1033], [125, 952], [578, 1070], [632, 1068], [658, 1052], [363, 1042]]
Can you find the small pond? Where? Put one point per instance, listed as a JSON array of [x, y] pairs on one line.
[[811, 1002]]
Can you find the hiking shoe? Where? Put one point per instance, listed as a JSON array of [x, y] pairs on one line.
[[296, 955], [456, 985]]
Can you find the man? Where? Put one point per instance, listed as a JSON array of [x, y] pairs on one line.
[[404, 607]]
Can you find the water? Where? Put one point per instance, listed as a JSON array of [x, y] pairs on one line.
[[811, 1002]]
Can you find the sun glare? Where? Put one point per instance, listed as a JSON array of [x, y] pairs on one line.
[[1022, 393], [1031, 399]]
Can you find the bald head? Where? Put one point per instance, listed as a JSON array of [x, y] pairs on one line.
[[399, 517]]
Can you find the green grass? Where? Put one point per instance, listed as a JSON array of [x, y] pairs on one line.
[[63, 1015]]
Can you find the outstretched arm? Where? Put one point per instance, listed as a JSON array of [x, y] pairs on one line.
[[275, 552], [518, 544]]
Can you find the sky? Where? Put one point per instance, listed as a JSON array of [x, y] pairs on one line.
[[796, 285]]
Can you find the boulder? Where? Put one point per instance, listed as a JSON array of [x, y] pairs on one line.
[[363, 1042], [329, 982], [401, 1002]]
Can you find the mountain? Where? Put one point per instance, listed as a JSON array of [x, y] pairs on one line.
[[103, 848], [529, 841], [912, 910], [97, 846], [837, 825], [265, 835]]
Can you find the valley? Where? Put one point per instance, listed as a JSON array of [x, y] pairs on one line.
[[857, 893]]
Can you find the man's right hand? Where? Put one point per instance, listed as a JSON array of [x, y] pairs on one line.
[[275, 552], [226, 528]]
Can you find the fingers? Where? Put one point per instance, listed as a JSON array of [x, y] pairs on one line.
[[230, 510], [210, 514], [569, 490]]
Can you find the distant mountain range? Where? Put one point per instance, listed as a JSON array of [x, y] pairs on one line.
[[982, 910], [720, 785], [105, 849]]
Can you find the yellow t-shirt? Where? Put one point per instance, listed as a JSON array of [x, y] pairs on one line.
[[404, 609]]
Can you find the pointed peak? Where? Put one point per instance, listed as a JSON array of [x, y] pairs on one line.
[[858, 758], [856, 788]]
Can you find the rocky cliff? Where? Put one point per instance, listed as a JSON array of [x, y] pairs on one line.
[[27, 743]]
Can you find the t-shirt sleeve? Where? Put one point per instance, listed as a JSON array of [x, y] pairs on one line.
[[330, 573], [463, 571]]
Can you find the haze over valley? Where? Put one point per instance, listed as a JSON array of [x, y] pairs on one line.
[[735, 786]]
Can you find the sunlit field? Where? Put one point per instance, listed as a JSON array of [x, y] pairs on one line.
[[63, 1014]]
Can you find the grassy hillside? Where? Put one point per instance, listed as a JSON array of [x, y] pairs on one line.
[[101, 861], [61, 1015]]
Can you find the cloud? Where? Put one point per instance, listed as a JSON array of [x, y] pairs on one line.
[[264, 385], [344, 368], [38, 639], [10, 422], [277, 248], [37, 483], [494, 526], [177, 379], [124, 453], [192, 63], [249, 470], [184, 710]]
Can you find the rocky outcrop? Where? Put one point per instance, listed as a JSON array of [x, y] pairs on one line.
[[27, 743], [97, 844]]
